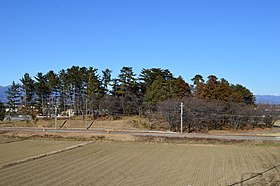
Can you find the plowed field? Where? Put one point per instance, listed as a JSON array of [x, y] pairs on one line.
[[18, 150], [124, 163]]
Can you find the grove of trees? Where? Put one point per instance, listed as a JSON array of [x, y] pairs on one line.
[[153, 91]]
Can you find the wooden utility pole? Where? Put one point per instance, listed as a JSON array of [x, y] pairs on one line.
[[182, 110], [86, 114], [55, 119]]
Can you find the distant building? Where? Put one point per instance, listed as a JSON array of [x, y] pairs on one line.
[[68, 113], [18, 118]]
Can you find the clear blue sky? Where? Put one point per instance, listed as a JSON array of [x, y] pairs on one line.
[[238, 40]]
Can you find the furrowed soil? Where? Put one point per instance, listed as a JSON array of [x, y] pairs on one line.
[[19, 150], [135, 163], [8, 139]]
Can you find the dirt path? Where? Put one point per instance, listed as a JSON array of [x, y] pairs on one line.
[[146, 133]]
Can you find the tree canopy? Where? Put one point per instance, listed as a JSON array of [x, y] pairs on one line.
[[127, 93]]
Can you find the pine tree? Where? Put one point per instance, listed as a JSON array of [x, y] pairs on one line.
[[63, 90], [2, 111], [160, 90], [223, 90], [198, 86], [148, 76], [242, 95], [209, 88], [76, 78], [106, 80], [28, 89], [126, 89], [93, 89], [14, 96], [181, 88], [43, 91]]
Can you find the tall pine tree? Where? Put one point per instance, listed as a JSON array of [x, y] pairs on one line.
[[14, 97], [28, 89]]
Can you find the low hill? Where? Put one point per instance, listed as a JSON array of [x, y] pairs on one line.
[[3, 94], [268, 99]]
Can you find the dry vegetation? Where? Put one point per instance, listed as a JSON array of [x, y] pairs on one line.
[[277, 123], [8, 139], [121, 123], [126, 163]]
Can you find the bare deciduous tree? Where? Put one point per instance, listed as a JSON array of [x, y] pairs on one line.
[[201, 115]]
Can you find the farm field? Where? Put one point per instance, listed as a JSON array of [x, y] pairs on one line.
[[6, 139], [134, 163], [12, 151]]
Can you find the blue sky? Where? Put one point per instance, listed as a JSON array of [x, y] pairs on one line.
[[238, 40]]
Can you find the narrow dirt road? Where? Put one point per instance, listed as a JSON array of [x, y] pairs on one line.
[[146, 133]]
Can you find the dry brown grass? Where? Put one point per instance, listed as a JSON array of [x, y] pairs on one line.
[[124, 123], [23, 135], [277, 123]]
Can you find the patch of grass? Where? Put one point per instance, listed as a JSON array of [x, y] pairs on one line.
[[268, 144], [177, 140], [6, 137], [14, 136], [69, 136]]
